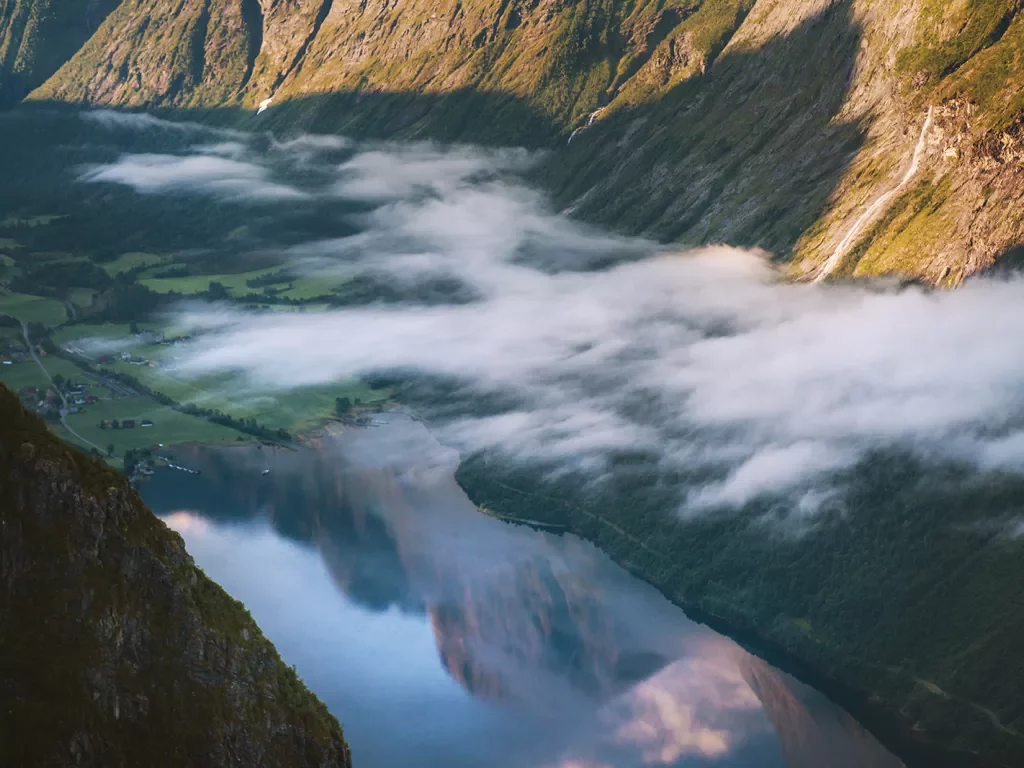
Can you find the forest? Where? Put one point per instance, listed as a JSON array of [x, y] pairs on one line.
[[902, 592]]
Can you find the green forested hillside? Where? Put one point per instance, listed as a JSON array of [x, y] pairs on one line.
[[906, 593]]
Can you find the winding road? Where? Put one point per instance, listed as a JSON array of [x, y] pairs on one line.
[[880, 204], [64, 410]]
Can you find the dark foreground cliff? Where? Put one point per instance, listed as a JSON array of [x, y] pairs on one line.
[[115, 649]]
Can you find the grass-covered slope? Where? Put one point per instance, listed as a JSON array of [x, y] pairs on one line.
[[115, 649]]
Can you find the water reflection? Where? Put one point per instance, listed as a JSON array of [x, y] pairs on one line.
[[441, 637]]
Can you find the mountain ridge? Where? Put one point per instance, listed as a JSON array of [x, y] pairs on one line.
[[688, 107]]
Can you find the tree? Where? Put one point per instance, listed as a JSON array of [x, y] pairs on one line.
[[133, 327], [342, 405], [110, 450], [115, 424], [217, 291], [58, 381]]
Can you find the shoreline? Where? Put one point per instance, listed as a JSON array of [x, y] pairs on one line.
[[878, 719], [882, 721]]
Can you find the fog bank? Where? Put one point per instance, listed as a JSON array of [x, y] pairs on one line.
[[596, 344]]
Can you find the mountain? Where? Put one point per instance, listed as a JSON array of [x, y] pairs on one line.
[[115, 649], [38, 36], [847, 137]]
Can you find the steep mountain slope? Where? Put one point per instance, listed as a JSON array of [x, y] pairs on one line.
[[115, 649], [768, 123], [905, 598], [38, 36]]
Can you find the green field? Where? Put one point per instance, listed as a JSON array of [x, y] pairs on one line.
[[21, 375], [6, 261], [311, 287], [9, 243], [295, 411], [128, 261], [201, 283], [28, 374], [300, 288], [81, 331], [305, 409], [169, 426], [33, 309]]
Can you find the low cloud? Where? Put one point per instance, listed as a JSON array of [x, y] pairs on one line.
[[394, 172], [209, 174], [703, 360], [139, 121]]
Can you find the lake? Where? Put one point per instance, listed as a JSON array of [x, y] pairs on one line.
[[442, 637]]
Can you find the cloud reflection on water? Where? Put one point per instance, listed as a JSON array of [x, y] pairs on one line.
[[544, 632]]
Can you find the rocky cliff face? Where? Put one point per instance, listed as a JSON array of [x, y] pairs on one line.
[[115, 649], [789, 125]]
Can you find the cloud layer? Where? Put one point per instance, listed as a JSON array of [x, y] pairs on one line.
[[597, 344]]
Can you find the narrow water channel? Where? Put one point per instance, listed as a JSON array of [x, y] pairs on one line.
[[442, 637]]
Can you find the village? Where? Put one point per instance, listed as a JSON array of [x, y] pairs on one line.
[[94, 405]]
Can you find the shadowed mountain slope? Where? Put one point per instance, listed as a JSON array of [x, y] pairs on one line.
[[115, 649]]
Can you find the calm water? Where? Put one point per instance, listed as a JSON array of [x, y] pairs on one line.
[[443, 638]]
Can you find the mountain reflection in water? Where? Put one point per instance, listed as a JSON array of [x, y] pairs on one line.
[[442, 637]]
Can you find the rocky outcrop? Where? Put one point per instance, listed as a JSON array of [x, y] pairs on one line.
[[115, 649]]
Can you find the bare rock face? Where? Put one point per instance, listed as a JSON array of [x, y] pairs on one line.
[[115, 649]]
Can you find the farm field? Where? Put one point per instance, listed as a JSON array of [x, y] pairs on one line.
[[310, 287], [129, 261], [33, 309], [169, 426], [86, 334], [27, 374], [299, 410], [235, 284]]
